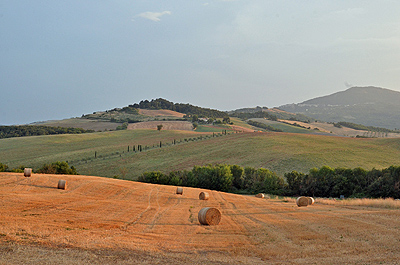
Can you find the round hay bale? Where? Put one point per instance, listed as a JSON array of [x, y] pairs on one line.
[[27, 172], [260, 195], [204, 195], [310, 200], [179, 190], [62, 184], [302, 201], [209, 216]]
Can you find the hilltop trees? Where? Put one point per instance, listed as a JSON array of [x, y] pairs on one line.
[[161, 103]]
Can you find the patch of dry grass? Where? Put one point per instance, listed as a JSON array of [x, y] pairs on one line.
[[380, 203]]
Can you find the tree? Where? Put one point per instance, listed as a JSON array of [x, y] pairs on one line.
[[3, 167], [195, 118], [159, 127], [195, 125]]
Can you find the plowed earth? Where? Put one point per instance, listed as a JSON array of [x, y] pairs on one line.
[[108, 221], [167, 125]]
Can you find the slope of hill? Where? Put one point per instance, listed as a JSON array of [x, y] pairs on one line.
[[279, 152], [107, 221], [371, 106]]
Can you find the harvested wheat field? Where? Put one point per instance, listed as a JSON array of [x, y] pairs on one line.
[[108, 221], [167, 125], [160, 113]]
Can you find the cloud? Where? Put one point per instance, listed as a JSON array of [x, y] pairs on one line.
[[154, 16]]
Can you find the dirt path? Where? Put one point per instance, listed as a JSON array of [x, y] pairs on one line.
[[99, 220]]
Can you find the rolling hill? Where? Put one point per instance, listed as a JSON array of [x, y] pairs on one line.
[[279, 152], [371, 106]]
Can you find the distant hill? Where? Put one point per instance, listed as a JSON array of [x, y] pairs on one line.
[[371, 106], [264, 112]]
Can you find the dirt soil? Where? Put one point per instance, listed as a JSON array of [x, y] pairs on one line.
[[109, 221], [167, 125], [343, 131], [161, 112]]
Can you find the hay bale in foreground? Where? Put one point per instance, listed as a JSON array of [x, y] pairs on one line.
[[27, 172], [302, 201], [179, 190], [209, 216], [310, 200], [62, 184], [204, 195], [260, 195]]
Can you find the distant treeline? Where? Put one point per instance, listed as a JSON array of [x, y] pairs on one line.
[[258, 114], [322, 182], [161, 103], [32, 130], [362, 127], [263, 126], [59, 167]]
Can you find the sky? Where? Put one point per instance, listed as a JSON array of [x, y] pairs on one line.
[[61, 59]]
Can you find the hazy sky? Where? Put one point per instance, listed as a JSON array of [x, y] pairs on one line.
[[65, 58]]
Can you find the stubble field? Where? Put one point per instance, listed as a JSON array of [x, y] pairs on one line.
[[108, 221]]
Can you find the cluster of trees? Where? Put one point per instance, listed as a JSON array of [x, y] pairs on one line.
[[221, 177], [33, 130], [161, 103], [330, 182], [59, 167], [322, 182], [362, 127], [263, 126], [258, 114]]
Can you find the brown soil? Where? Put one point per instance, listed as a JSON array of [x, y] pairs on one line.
[[343, 131], [241, 128], [99, 220], [167, 125], [161, 112]]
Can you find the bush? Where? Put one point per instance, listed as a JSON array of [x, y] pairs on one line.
[[57, 168]]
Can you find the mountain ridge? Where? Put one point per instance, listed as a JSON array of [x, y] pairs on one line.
[[370, 106]]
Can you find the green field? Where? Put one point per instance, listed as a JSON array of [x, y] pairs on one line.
[[283, 126], [280, 152]]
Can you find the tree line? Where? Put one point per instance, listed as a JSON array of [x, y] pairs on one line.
[[319, 182], [263, 126], [362, 127], [58, 167], [34, 130], [258, 114], [161, 103]]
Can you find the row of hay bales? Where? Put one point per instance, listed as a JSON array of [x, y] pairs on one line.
[[300, 201], [304, 201], [62, 184], [207, 215]]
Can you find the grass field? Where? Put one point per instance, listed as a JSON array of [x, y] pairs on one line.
[[280, 152]]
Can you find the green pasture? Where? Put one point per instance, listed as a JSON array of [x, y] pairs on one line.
[[279, 152]]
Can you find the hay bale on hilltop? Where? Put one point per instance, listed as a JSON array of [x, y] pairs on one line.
[[179, 190], [27, 172], [204, 195], [260, 195], [209, 216], [62, 184], [310, 200], [302, 201]]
